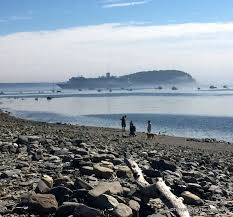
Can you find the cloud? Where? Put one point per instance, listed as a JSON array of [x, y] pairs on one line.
[[113, 4], [203, 49]]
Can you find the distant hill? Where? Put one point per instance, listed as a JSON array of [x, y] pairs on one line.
[[160, 77], [145, 78]]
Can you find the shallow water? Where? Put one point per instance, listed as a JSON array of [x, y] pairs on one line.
[[183, 113]]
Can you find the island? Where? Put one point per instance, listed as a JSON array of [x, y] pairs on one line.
[[138, 79]]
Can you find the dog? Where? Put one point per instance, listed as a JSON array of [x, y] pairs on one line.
[[150, 135]]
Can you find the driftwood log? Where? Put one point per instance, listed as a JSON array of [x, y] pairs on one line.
[[158, 189]]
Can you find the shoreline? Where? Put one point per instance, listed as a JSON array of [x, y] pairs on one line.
[[101, 120], [203, 168], [193, 142]]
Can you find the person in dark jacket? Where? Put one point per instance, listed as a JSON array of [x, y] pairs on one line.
[[148, 127], [123, 122], [132, 129]]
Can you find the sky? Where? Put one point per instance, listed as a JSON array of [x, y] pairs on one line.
[[53, 40]]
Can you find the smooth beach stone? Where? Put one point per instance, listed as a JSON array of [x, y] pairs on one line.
[[122, 210], [48, 180], [192, 199], [135, 206], [82, 184], [230, 168], [66, 209], [38, 155], [157, 215], [100, 157], [163, 165], [61, 193], [33, 138], [86, 211], [82, 151], [87, 170], [117, 161], [22, 140], [105, 201], [123, 172], [152, 173], [106, 187], [83, 145], [62, 180], [103, 172], [42, 187], [10, 173], [42, 203]]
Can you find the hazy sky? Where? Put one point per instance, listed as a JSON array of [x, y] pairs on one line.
[[54, 40]]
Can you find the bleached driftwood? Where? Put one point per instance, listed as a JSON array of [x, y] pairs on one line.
[[160, 189]]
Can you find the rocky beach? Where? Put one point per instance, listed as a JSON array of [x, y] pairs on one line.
[[69, 170]]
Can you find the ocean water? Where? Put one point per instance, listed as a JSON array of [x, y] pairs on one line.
[[190, 113]]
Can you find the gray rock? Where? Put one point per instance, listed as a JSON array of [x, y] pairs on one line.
[[105, 201], [157, 215], [22, 140], [122, 210], [66, 209], [42, 203], [123, 172], [163, 165], [42, 187], [102, 172], [106, 187], [10, 174], [82, 184], [82, 151], [135, 206], [87, 170], [230, 168], [86, 211], [100, 157], [61, 193], [192, 199], [152, 173]]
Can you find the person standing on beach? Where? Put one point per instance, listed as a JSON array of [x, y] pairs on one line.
[[123, 122], [132, 129], [149, 127]]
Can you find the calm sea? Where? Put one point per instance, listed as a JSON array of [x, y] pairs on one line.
[[189, 113]]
